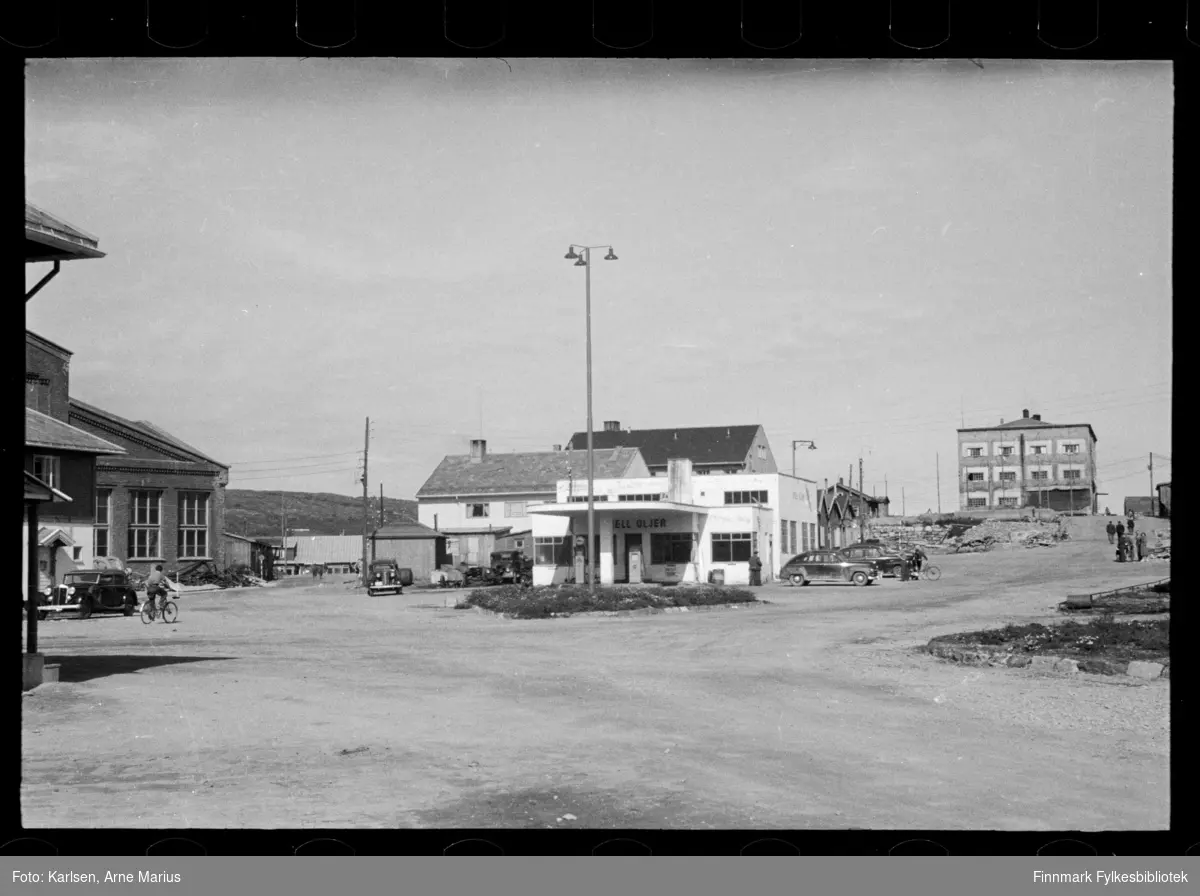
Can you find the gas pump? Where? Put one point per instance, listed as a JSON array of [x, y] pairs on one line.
[[580, 560], [635, 566]]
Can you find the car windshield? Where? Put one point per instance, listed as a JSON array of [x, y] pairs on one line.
[[75, 578]]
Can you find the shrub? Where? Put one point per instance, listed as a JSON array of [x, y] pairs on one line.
[[564, 600], [1099, 636]]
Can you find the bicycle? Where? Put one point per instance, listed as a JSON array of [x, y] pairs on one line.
[[929, 571], [169, 611]]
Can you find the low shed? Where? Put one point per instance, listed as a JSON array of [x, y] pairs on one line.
[[411, 545]]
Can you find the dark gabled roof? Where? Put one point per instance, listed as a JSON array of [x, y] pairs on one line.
[[46, 343], [44, 431], [142, 429], [407, 530], [535, 471], [48, 238], [856, 493], [699, 444]]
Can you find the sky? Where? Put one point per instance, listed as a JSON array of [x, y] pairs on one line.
[[867, 255]]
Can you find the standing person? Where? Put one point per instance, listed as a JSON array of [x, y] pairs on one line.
[[1120, 531], [918, 558], [1112, 531], [1141, 545], [755, 569]]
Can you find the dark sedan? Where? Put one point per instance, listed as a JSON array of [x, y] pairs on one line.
[[83, 592], [886, 562], [827, 566]]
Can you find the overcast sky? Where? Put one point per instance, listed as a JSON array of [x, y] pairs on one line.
[[861, 254]]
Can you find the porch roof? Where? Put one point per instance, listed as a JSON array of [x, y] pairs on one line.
[[612, 508]]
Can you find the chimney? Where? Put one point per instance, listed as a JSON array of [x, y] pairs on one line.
[[1037, 417], [478, 450], [1025, 413], [558, 447], [612, 426], [839, 480]]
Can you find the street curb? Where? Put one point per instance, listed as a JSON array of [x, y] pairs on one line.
[[978, 655], [641, 611]]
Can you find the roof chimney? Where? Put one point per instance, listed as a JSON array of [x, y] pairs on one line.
[[1025, 413], [558, 447], [1037, 416], [612, 426], [478, 450]]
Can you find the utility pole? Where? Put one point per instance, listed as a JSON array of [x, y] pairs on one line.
[[938, 461], [381, 505], [1153, 496], [366, 506], [282, 530], [903, 510], [862, 504]]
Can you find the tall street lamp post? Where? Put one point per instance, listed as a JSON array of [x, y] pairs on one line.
[[585, 261], [812, 446]]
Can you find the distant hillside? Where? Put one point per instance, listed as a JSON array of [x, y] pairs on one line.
[[259, 513]]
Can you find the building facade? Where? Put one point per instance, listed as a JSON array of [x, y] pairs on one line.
[[677, 528], [711, 449], [477, 498], [1164, 498], [162, 501], [412, 546], [1028, 462]]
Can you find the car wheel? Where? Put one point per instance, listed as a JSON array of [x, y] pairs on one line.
[[42, 615], [85, 608], [797, 578], [860, 578], [130, 608], [897, 571]]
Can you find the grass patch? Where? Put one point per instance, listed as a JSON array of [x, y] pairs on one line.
[[565, 600], [1100, 638]]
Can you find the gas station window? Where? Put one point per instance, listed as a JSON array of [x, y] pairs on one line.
[[671, 547]]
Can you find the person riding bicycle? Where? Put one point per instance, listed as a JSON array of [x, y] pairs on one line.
[[158, 585], [918, 558]]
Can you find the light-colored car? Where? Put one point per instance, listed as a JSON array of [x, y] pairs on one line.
[[827, 566]]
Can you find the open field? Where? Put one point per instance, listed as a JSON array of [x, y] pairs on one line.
[[310, 705]]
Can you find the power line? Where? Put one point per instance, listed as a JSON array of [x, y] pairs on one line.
[[280, 460], [292, 475], [296, 467]]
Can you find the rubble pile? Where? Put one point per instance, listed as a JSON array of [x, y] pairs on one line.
[[207, 574], [1027, 532]]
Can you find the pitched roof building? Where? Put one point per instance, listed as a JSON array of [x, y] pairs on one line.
[[711, 449]]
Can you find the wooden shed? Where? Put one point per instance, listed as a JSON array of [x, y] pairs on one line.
[[412, 545]]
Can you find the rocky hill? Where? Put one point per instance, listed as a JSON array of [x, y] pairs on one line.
[[261, 513]]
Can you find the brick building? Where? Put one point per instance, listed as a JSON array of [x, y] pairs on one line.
[[163, 501], [1028, 462]]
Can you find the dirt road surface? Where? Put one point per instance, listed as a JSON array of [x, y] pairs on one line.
[[313, 706]]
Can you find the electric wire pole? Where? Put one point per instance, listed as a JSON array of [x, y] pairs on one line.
[[938, 461], [1153, 496], [366, 504]]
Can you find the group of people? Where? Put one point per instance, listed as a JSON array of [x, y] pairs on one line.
[[1130, 541]]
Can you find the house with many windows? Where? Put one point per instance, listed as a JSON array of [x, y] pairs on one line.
[[677, 528], [1028, 462], [161, 501], [477, 498]]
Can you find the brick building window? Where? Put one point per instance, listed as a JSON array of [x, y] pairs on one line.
[[974, 452], [1006, 451], [193, 525], [145, 522], [730, 547], [1008, 477], [1039, 474], [974, 477], [1072, 474], [977, 502], [102, 519], [45, 468], [1007, 502], [1071, 449]]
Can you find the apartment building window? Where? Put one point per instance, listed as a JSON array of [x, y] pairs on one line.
[[45, 468], [102, 519], [144, 525], [193, 525], [478, 511], [1039, 474], [977, 502], [671, 547], [974, 452], [1072, 474], [1008, 477], [1071, 448], [974, 477], [731, 547], [515, 509], [1008, 502], [754, 497], [1006, 450], [1038, 449]]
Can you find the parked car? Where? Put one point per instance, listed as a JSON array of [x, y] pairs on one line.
[[447, 577], [827, 566], [83, 592], [511, 567], [478, 575], [388, 577], [886, 563]]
